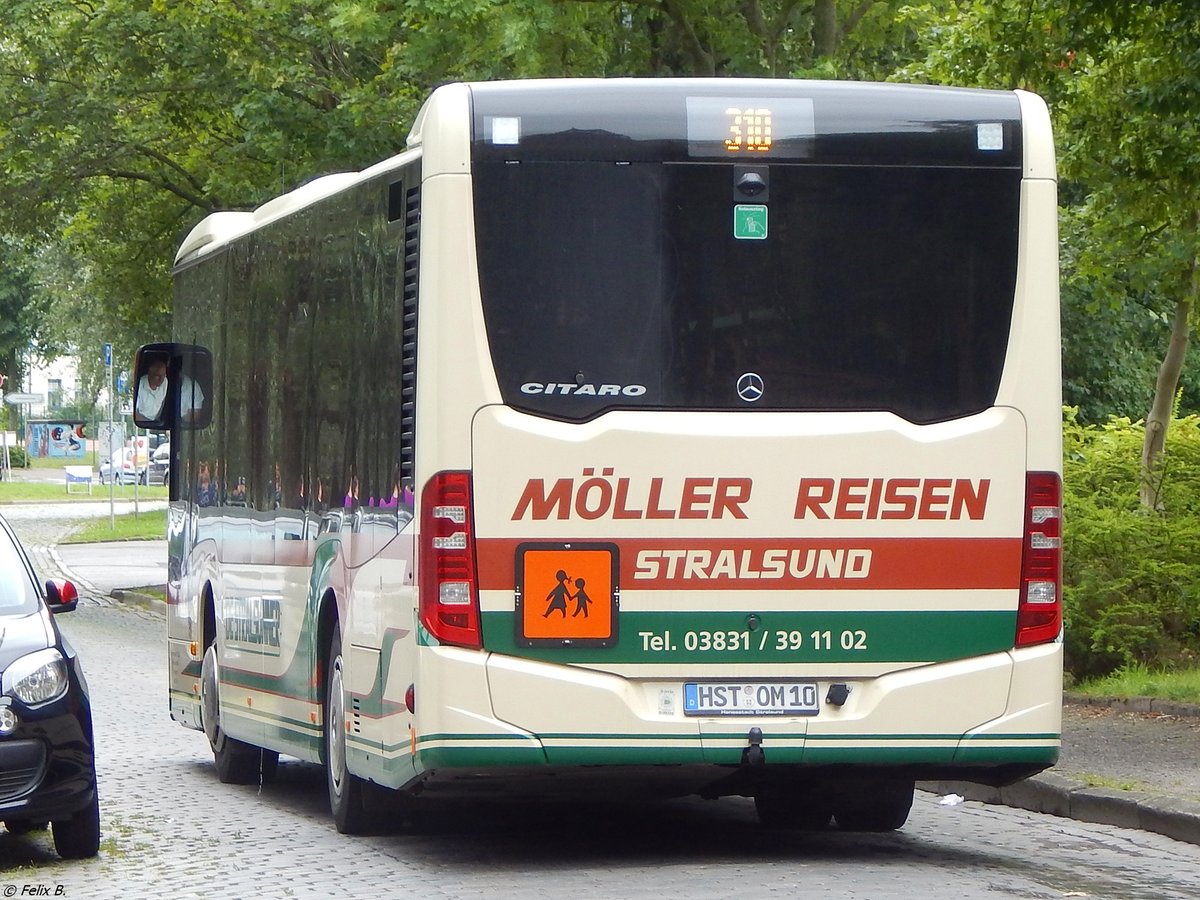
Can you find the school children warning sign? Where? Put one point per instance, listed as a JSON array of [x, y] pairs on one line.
[[567, 594]]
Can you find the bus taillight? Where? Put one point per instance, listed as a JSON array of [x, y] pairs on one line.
[[449, 601], [1039, 614]]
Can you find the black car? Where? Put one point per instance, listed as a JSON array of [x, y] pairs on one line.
[[47, 766]]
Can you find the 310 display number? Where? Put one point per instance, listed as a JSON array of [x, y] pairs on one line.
[[749, 129]]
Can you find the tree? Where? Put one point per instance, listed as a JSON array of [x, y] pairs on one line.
[[780, 38], [1124, 85], [124, 122], [22, 315], [1137, 117]]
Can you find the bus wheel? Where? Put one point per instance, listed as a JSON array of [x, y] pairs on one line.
[[883, 808], [347, 792], [237, 762], [783, 808]]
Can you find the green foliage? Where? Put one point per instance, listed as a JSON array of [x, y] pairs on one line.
[[1131, 577], [17, 458], [1123, 84]]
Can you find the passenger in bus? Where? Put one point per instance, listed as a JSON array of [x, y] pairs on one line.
[[237, 497], [206, 487], [351, 499]]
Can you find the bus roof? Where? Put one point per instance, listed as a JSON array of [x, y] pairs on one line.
[[220, 228]]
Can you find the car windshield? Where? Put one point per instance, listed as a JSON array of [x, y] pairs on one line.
[[17, 591]]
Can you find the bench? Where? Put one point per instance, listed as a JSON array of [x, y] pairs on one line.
[[79, 475]]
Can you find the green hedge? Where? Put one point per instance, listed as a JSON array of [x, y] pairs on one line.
[[17, 458], [1131, 576]]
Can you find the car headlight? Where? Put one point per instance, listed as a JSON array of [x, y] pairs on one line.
[[37, 678]]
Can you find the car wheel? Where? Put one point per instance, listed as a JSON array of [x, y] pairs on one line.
[[236, 761], [79, 836], [347, 792]]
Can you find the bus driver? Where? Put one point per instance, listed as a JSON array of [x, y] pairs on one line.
[[152, 393]]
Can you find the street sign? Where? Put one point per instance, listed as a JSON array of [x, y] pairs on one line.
[[16, 399], [111, 438], [108, 354]]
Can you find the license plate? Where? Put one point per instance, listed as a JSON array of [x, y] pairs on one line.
[[743, 698]]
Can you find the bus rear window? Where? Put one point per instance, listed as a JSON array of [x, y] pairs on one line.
[[638, 285]]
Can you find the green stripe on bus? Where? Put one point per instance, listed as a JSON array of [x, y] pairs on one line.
[[656, 749], [779, 637]]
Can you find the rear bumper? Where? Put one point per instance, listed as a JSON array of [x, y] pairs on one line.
[[992, 719]]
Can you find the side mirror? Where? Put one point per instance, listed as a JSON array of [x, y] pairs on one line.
[[61, 596], [172, 386]]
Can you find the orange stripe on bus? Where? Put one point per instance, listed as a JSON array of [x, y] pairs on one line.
[[768, 564]]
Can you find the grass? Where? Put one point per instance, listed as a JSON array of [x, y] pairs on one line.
[[1102, 781], [41, 491], [1141, 681], [146, 526]]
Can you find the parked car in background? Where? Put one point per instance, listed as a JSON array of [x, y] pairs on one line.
[[159, 470], [126, 473], [47, 764]]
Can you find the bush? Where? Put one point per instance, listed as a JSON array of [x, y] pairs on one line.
[[1131, 576], [17, 458]]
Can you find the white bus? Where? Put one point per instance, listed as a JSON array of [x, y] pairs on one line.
[[678, 436]]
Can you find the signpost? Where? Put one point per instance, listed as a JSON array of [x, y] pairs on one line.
[[115, 456]]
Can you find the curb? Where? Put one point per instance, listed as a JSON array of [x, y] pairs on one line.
[[134, 597], [1155, 705], [1067, 798]]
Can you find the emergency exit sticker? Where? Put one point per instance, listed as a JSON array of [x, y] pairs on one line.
[[750, 222], [567, 595]]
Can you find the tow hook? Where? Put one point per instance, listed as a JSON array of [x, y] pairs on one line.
[[753, 754]]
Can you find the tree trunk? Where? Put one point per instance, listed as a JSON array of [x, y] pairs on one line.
[[1161, 408], [825, 28]]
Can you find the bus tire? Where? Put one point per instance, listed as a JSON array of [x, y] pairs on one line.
[[347, 792], [883, 808], [236, 761], [792, 809]]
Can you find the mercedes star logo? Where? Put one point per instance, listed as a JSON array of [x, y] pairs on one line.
[[750, 387]]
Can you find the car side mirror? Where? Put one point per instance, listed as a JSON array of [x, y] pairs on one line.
[[61, 596]]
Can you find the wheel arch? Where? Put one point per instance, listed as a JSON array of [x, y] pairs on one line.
[[208, 616], [328, 621]]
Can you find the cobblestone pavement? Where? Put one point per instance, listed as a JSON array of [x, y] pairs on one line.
[[170, 830]]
